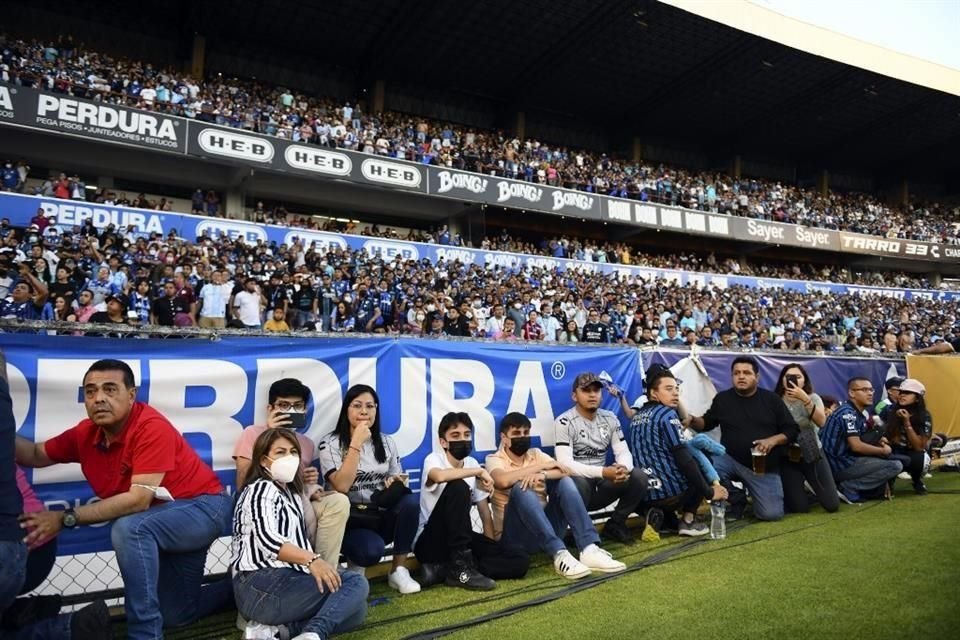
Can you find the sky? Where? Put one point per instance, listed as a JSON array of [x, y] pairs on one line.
[[925, 29]]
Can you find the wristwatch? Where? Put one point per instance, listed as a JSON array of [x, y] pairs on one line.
[[70, 519]]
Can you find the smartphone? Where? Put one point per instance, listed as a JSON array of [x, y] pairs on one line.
[[297, 420], [404, 478], [793, 380]]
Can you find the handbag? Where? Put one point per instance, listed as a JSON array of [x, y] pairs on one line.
[[388, 497], [364, 516]]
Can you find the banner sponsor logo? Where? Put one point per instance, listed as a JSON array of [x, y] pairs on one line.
[[321, 239], [389, 250], [90, 118], [619, 211], [520, 190], [6, 103], [392, 173], [318, 160], [866, 243], [766, 232], [69, 214], [951, 251], [452, 255], [472, 182], [221, 142], [576, 199], [218, 228], [815, 238]]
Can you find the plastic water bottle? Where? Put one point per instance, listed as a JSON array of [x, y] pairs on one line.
[[718, 522]]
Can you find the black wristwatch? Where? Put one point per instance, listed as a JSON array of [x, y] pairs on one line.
[[69, 519]]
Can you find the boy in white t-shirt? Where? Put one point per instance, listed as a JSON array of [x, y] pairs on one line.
[[446, 545]]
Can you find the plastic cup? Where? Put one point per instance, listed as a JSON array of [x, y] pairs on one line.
[[759, 461]]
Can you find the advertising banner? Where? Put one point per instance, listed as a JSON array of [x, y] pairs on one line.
[[211, 390]]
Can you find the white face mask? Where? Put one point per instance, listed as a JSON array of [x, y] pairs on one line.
[[284, 469]]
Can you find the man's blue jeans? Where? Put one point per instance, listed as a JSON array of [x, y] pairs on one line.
[[161, 553], [529, 526], [292, 598], [13, 571], [766, 489]]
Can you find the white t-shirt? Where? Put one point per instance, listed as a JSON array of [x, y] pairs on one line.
[[248, 305], [430, 494]]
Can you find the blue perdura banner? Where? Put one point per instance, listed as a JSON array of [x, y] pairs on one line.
[[211, 390], [70, 214]]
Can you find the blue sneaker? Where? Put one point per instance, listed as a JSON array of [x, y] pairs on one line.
[[849, 496]]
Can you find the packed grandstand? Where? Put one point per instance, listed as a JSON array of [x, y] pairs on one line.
[[256, 231]]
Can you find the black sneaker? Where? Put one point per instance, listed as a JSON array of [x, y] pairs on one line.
[[431, 573], [462, 572], [617, 531], [92, 622], [919, 487], [26, 611]]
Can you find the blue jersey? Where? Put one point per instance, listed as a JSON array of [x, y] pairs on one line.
[[654, 434], [846, 421], [385, 301]]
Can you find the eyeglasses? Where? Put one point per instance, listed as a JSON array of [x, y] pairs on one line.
[[359, 406], [867, 389], [295, 406]]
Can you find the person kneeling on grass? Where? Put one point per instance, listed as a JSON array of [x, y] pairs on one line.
[[534, 501], [446, 545], [277, 577]]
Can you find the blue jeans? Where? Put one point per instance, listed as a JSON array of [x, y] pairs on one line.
[[161, 553], [365, 547], [13, 571], [531, 527], [293, 599], [766, 489], [868, 473]]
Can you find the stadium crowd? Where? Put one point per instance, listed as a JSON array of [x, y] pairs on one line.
[[109, 275], [66, 67]]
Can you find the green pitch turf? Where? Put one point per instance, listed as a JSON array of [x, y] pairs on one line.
[[878, 570]]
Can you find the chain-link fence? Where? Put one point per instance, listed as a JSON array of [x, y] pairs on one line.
[[84, 577]]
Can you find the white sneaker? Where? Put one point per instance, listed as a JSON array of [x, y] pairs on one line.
[[309, 635], [569, 567], [400, 580], [903, 475], [599, 560]]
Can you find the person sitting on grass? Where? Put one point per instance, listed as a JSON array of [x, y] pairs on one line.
[[676, 480], [584, 434], [534, 501], [446, 545], [860, 469], [277, 577], [909, 429]]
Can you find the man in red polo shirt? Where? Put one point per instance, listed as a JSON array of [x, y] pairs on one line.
[[166, 504]]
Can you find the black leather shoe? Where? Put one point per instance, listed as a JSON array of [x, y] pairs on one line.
[[431, 573], [92, 622], [462, 572], [616, 531]]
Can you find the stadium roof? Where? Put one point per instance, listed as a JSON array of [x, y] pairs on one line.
[[632, 67]]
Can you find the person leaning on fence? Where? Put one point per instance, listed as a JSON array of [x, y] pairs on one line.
[[358, 460], [287, 398], [584, 434], [277, 578], [90, 623], [860, 468], [752, 421], [166, 504], [446, 545], [534, 501], [805, 461]]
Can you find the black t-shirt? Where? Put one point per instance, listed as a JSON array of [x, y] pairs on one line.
[[166, 309], [303, 299], [62, 289], [745, 419]]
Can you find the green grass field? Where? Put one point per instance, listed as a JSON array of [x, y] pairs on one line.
[[880, 570]]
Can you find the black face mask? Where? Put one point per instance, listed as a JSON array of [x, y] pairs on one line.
[[519, 445], [460, 449]]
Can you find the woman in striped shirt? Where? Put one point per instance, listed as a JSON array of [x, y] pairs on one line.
[[277, 578]]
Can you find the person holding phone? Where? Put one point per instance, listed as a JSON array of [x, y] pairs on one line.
[[805, 460], [287, 402], [277, 578], [360, 461]]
